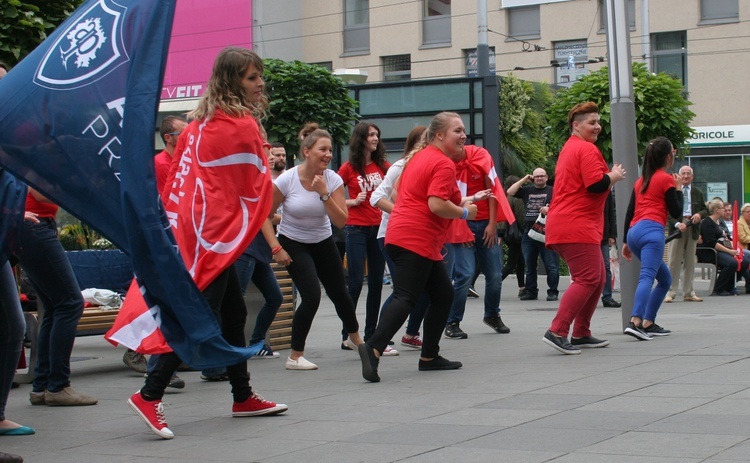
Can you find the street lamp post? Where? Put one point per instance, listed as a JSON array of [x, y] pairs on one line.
[[624, 135]]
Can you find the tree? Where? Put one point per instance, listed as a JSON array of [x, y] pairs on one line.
[[522, 125], [301, 93], [27, 23], [661, 109]]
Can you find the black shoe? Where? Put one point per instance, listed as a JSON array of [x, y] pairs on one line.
[[369, 363], [551, 297], [10, 458], [344, 346], [721, 293], [560, 344], [528, 296], [521, 292], [439, 363], [496, 323], [472, 293], [453, 331], [14, 385], [656, 330], [637, 332], [215, 378], [611, 303], [589, 341], [176, 382]]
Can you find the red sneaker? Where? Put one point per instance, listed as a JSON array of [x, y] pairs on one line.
[[152, 412], [414, 343], [256, 405]]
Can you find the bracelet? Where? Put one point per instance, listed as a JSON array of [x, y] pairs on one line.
[[474, 198], [465, 214], [276, 250]]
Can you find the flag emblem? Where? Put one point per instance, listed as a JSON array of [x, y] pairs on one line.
[[89, 49]]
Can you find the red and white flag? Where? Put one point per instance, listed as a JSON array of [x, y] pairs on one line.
[[479, 162], [217, 196]]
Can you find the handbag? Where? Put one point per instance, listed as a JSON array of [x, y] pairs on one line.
[[536, 232], [513, 234]]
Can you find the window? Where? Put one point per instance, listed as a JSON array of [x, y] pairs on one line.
[[669, 54], [629, 8], [356, 26], [523, 22], [325, 64], [397, 67], [719, 11], [436, 22], [472, 62]]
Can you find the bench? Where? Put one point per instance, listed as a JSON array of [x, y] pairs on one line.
[[94, 321], [97, 321]]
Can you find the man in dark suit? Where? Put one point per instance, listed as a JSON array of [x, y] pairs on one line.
[[682, 249]]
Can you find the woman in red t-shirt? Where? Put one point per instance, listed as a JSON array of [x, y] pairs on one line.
[[582, 183], [654, 195], [428, 198], [362, 174]]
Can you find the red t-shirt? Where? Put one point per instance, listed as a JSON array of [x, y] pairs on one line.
[[651, 205], [475, 178], [162, 163], [364, 214], [579, 166], [43, 210], [412, 224]]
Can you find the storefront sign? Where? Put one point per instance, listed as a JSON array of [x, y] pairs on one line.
[[717, 190], [719, 135]]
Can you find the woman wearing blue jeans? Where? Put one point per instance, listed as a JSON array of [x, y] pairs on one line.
[[362, 174], [45, 263], [654, 195]]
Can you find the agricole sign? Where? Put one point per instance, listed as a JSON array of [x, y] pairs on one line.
[[721, 135]]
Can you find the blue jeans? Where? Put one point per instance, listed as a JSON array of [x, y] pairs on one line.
[[361, 243], [532, 249], [464, 262], [12, 328], [261, 274], [417, 313], [646, 240], [44, 260], [607, 291]]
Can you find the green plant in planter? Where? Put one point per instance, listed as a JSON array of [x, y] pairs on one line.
[[79, 237]]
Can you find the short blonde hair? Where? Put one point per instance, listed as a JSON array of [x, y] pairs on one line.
[[714, 205]]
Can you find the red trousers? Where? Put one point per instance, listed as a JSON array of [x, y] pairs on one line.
[[578, 303]]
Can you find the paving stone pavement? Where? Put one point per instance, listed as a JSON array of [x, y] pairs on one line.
[[682, 398]]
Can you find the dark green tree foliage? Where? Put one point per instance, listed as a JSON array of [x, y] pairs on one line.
[[661, 109], [300, 93], [25, 24], [522, 125]]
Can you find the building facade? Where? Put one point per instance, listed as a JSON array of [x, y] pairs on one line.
[[701, 42]]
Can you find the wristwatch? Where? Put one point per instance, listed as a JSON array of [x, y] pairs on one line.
[[325, 197]]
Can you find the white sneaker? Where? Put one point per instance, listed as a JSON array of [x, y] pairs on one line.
[[390, 352], [300, 364]]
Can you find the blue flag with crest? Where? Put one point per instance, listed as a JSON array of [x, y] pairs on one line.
[[77, 123]]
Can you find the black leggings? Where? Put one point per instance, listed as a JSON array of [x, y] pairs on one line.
[[225, 299], [412, 275], [310, 263]]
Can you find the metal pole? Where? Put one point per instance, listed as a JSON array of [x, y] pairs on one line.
[[624, 135], [491, 110]]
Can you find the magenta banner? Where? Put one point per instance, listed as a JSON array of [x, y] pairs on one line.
[[201, 29]]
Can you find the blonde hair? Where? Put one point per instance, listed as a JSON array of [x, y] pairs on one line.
[[714, 205], [224, 90]]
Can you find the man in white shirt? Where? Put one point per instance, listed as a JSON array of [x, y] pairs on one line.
[[682, 250]]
